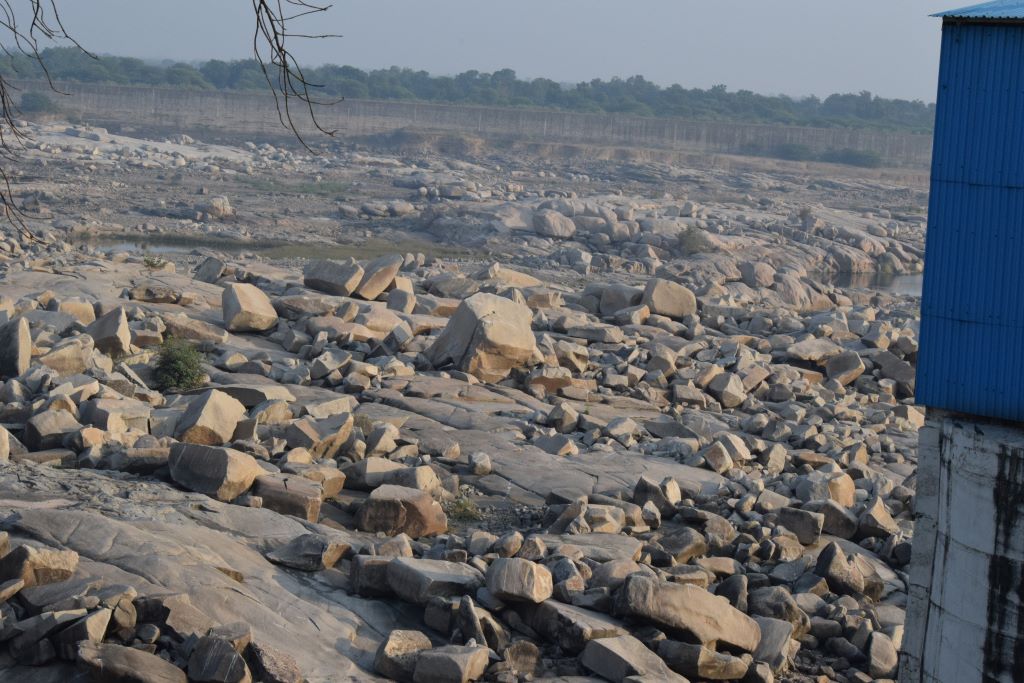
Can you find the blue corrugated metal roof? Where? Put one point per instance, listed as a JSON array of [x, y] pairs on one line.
[[998, 9], [971, 358]]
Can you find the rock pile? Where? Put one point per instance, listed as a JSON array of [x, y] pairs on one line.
[[703, 491]]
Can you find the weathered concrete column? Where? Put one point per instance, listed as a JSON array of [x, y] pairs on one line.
[[965, 620]]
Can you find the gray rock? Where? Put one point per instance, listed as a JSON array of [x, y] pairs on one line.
[[116, 663], [708, 618], [331, 277], [418, 580], [617, 659], [221, 473], [15, 347]]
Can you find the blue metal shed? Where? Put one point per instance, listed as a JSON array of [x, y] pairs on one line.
[[971, 357]]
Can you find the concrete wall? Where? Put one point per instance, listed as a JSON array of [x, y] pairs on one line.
[[186, 110], [965, 621]]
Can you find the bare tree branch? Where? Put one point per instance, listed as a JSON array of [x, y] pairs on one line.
[[285, 77]]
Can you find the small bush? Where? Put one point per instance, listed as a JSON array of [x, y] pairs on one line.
[[694, 241], [37, 103], [153, 262], [464, 509], [179, 366]]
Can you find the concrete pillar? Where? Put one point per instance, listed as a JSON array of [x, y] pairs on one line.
[[965, 620]]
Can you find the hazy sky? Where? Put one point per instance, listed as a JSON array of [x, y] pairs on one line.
[[796, 47]]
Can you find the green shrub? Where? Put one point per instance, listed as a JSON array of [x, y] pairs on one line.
[[37, 103], [153, 262], [179, 366], [464, 510], [694, 241]]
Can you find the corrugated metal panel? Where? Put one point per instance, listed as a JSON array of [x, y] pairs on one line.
[[1000, 9], [971, 358]]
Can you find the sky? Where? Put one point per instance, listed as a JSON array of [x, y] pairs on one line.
[[792, 47]]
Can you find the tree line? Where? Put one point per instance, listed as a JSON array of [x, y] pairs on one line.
[[635, 95]]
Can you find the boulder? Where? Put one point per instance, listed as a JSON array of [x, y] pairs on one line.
[[331, 277], [111, 334], [48, 429], [757, 274], [419, 580], [451, 664], [398, 509], [728, 389], [708, 618], [290, 495], [210, 419], [210, 270], [37, 566], [214, 660], [624, 657], [378, 275], [271, 665], [569, 626], [396, 657], [69, 356], [15, 347], [487, 336], [699, 662], [515, 579], [671, 299], [120, 664], [221, 473], [553, 224], [844, 367], [247, 309], [814, 350]]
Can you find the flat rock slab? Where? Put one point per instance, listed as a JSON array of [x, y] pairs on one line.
[[184, 544]]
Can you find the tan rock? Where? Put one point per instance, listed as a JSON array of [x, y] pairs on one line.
[[247, 309], [397, 509], [487, 337], [210, 419], [111, 333], [37, 566], [516, 579], [378, 275], [671, 299]]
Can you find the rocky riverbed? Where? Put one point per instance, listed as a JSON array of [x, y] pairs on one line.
[[580, 420]]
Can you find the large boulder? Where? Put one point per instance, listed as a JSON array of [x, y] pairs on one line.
[[553, 224], [419, 580], [516, 579], [247, 309], [398, 509], [221, 473], [671, 299], [111, 334], [332, 277], [378, 275], [15, 348], [37, 566], [487, 336], [210, 419], [708, 618]]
